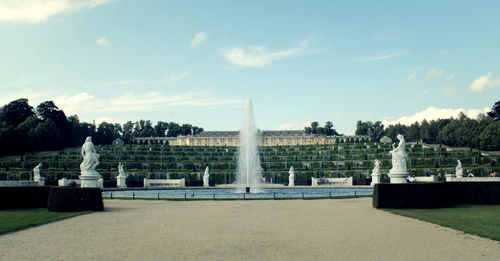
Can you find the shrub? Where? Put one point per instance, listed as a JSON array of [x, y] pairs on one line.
[[68, 199], [23, 197]]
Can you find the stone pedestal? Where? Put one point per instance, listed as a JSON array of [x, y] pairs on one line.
[[460, 174], [398, 176], [205, 182], [121, 182], [90, 181], [375, 179], [41, 181]]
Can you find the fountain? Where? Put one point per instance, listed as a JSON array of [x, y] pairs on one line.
[[249, 170]]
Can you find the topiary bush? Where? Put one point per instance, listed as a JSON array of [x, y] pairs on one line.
[[70, 199], [23, 197]]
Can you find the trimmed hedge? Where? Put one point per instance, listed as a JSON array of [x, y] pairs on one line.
[[435, 195], [70, 199], [23, 197]]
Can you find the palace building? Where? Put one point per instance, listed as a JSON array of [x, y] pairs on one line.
[[264, 138]]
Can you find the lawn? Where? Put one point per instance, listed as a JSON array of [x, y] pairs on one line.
[[480, 220], [17, 219]]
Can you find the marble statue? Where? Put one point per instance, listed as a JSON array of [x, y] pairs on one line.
[[90, 158], [121, 171], [459, 173], [89, 176], [36, 172], [398, 172], [376, 173], [291, 177], [206, 177], [122, 177]]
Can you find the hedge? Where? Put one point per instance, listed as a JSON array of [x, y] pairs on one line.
[[23, 197], [435, 195], [69, 199]]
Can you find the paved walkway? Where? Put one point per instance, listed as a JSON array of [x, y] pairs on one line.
[[348, 229]]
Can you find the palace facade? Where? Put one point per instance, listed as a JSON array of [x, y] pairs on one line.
[[264, 138]]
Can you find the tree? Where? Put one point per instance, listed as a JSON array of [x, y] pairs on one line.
[[128, 132], [107, 132], [495, 111], [161, 129], [489, 138], [314, 127], [46, 136], [16, 112]]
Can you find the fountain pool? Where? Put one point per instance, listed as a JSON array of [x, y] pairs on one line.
[[232, 193]]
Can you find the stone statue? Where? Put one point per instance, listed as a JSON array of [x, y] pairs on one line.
[[398, 172], [121, 179], [36, 172], [399, 155], [90, 159], [376, 173], [121, 171], [459, 171], [291, 177], [206, 177]]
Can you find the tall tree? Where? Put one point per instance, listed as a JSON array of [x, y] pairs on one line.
[[15, 112], [495, 111]]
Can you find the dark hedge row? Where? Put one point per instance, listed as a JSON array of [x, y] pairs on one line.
[[23, 197], [59, 199], [70, 199], [435, 195]]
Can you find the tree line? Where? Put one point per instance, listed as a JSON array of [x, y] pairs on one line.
[[26, 129], [327, 129], [482, 133]]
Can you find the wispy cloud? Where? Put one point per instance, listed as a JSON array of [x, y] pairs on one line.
[[151, 101], [411, 77], [379, 57], [434, 113], [450, 90], [37, 11], [434, 73], [103, 41], [293, 126], [144, 82], [198, 39], [259, 56], [444, 52], [451, 76], [483, 82]]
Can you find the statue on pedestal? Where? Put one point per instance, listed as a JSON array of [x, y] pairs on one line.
[[459, 173], [36, 172], [376, 173], [90, 159], [398, 172], [121, 171], [206, 177], [89, 176], [291, 177], [122, 177]]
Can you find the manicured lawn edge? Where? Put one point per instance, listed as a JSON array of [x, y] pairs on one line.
[[12, 220]]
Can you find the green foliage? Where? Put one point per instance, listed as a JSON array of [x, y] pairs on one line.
[[480, 220], [17, 219]]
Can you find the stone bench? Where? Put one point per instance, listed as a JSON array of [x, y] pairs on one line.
[[315, 182], [164, 183]]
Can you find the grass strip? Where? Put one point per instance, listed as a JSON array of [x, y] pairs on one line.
[[480, 220], [16, 219]]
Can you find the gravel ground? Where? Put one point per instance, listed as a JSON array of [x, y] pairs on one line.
[[347, 229]]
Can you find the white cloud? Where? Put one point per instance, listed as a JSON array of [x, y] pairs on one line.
[[434, 113], [103, 41], [411, 77], [293, 126], [198, 39], [37, 11], [259, 56], [376, 58], [479, 84], [451, 76], [434, 73], [177, 77], [84, 102]]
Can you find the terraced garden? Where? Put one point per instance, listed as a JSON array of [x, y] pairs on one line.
[[162, 161]]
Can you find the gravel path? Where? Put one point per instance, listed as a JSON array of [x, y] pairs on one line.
[[348, 229]]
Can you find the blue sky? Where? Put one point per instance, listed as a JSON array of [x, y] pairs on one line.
[[197, 61]]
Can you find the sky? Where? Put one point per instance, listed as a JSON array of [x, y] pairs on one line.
[[197, 62]]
